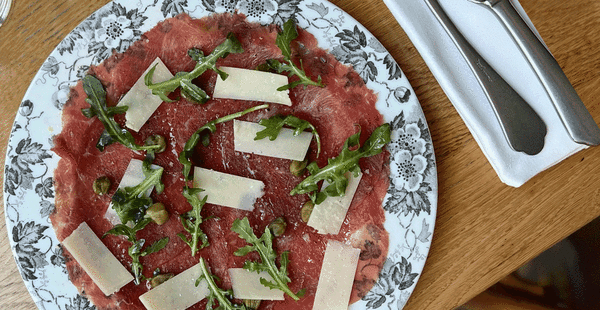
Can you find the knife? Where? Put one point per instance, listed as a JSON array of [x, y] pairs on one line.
[[523, 128], [574, 115]]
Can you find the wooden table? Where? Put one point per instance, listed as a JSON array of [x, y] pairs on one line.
[[484, 228]]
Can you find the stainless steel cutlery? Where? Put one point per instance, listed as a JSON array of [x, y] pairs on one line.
[[575, 117], [522, 126]]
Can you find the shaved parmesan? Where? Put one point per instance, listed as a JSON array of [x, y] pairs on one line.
[[140, 100], [228, 190], [244, 84], [328, 216], [97, 261], [286, 146], [246, 285], [178, 293], [337, 276], [134, 175]]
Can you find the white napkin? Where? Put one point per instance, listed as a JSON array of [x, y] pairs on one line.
[[489, 37]]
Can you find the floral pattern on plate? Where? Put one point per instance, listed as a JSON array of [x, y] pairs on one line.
[[410, 203]]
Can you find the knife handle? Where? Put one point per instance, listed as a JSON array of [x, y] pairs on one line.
[[575, 117], [523, 128]]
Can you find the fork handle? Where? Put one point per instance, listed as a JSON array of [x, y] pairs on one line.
[[575, 117], [521, 125]]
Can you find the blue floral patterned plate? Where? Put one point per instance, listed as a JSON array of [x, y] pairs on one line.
[[410, 203]]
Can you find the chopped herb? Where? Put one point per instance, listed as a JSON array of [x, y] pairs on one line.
[[274, 124], [130, 203], [264, 247], [96, 97], [283, 41], [202, 134], [216, 294], [135, 250], [184, 79], [191, 221], [337, 167]]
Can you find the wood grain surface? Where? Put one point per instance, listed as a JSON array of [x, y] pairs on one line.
[[484, 228]]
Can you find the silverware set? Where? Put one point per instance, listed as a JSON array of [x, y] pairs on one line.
[[523, 128]]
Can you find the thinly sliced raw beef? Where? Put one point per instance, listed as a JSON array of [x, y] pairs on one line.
[[335, 111]]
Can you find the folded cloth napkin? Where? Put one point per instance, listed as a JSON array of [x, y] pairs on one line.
[[493, 42]]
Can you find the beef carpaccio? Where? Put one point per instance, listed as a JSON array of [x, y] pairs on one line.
[[336, 111]]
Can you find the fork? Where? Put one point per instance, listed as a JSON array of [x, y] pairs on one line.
[[4, 8]]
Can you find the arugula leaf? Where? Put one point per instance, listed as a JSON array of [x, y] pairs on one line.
[[130, 203], [346, 161], [284, 39], [217, 294], [96, 98], [135, 250], [191, 221], [203, 133], [264, 247], [184, 79], [275, 123]]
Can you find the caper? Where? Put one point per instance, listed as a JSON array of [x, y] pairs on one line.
[[306, 211], [157, 213], [101, 185], [297, 167], [157, 140], [160, 279], [252, 303], [264, 67], [278, 226]]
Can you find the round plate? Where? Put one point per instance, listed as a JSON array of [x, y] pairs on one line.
[[410, 203]]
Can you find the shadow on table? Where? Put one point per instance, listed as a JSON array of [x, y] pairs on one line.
[[566, 276]]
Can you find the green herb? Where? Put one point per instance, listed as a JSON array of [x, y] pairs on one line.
[[130, 203], [283, 41], [216, 294], [191, 221], [184, 79], [264, 247], [96, 97], [337, 167], [203, 133], [275, 123], [135, 250]]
